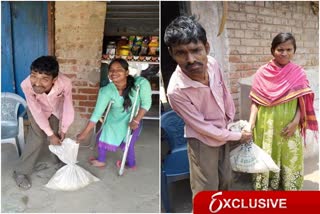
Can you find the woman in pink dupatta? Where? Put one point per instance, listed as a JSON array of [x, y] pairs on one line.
[[281, 111]]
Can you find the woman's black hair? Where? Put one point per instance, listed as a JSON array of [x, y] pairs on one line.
[[281, 38], [130, 82], [46, 65]]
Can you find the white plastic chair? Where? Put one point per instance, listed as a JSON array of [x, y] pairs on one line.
[[12, 130]]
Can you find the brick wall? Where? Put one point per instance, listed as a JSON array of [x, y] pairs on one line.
[[79, 28], [250, 27]]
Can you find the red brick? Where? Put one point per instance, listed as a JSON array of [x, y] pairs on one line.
[[88, 90], [71, 76], [90, 110], [80, 109], [75, 68], [234, 58], [234, 50], [249, 58], [234, 82], [234, 41], [86, 116], [235, 96], [236, 102], [265, 58], [234, 89], [243, 66], [94, 85], [67, 61], [255, 50], [259, 3], [251, 9], [232, 6], [234, 75], [92, 97], [245, 74], [237, 16], [250, 42], [253, 26], [80, 83], [87, 103], [79, 97]]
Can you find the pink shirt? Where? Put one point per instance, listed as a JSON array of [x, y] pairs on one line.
[[206, 110], [58, 102]]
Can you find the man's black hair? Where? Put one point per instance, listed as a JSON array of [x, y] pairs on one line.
[[46, 65]]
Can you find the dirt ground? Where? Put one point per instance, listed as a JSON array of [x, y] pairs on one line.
[[135, 191]]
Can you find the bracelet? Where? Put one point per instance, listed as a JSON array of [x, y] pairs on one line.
[[137, 122]]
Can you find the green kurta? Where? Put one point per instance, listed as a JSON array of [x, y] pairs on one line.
[[287, 153], [115, 128]]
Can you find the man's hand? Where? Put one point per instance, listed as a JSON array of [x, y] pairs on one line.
[[62, 135], [245, 136], [54, 140]]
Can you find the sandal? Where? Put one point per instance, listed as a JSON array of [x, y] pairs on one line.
[[22, 181], [118, 163], [41, 166]]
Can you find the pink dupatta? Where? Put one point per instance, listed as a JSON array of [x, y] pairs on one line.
[[274, 85]]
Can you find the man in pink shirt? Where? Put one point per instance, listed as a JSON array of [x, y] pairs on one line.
[[199, 95], [49, 99]]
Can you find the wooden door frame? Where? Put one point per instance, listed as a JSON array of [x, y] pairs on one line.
[[51, 28]]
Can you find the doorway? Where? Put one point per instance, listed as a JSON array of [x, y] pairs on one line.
[[24, 37]]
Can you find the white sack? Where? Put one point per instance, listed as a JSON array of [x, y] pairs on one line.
[[71, 176], [250, 158]]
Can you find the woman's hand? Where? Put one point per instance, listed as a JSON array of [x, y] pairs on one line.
[[81, 137], [289, 130], [253, 117], [134, 124]]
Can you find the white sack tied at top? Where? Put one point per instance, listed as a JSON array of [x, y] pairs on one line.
[[71, 176], [248, 157]]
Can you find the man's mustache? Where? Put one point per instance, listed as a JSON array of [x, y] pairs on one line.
[[195, 63]]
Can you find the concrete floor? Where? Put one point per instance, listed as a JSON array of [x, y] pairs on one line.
[[136, 191]]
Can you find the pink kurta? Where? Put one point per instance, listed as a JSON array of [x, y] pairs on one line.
[[58, 102], [206, 110]]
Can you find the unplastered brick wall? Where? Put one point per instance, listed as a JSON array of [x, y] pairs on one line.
[[251, 26], [79, 28], [245, 42]]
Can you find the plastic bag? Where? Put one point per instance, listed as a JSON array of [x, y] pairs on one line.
[[71, 176], [250, 158]]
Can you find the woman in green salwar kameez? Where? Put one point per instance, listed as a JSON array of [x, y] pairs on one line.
[[281, 110], [287, 152]]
